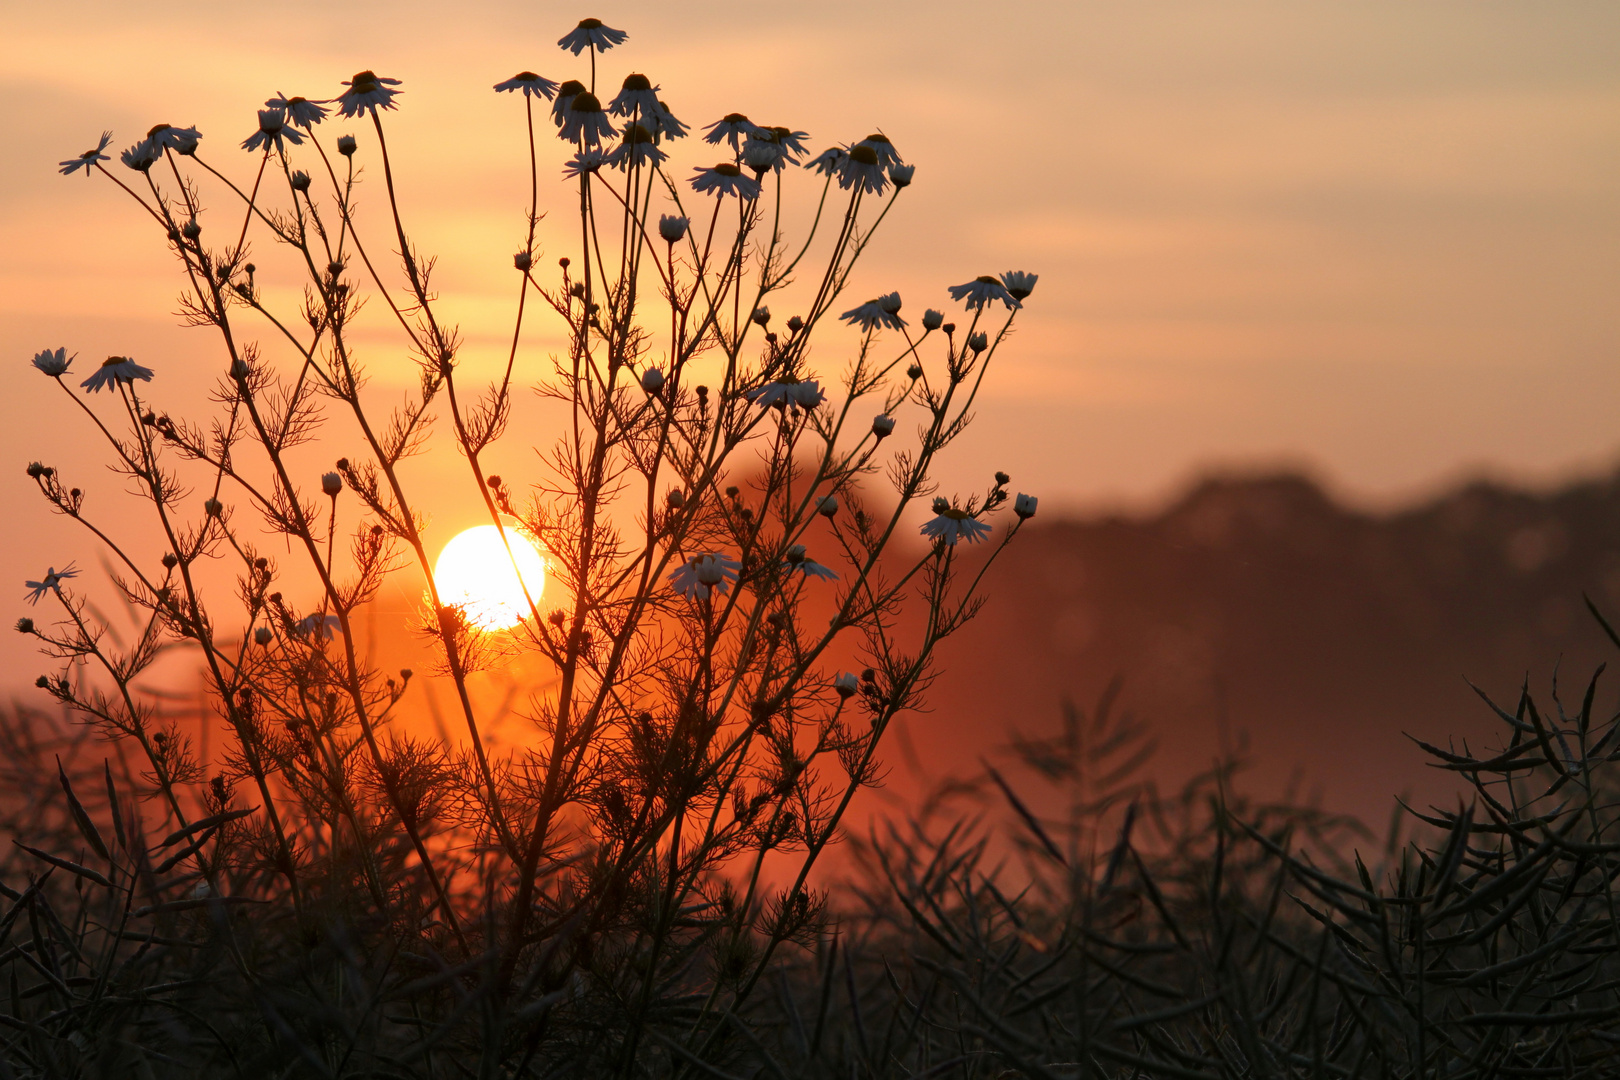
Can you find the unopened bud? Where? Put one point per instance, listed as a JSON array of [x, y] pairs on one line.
[[978, 342], [331, 484], [762, 315], [676, 499], [652, 380], [346, 145], [262, 635], [795, 324], [828, 506], [1002, 479], [214, 507], [300, 181], [883, 426], [522, 261], [170, 560], [914, 372], [25, 625], [846, 685], [932, 320], [1024, 506]]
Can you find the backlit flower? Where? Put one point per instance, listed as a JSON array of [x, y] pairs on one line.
[[300, 111], [900, 175], [983, 290], [788, 391], [791, 142], [652, 380], [347, 145], [1019, 284], [331, 484], [318, 626], [662, 123], [262, 635], [872, 314], [182, 140], [530, 84], [703, 574], [583, 118], [950, 525], [88, 158], [882, 425], [52, 583], [141, 156], [883, 148], [672, 227], [272, 131], [585, 162], [1024, 505], [637, 148], [53, 362], [827, 506], [367, 90], [591, 34], [760, 155], [862, 170], [566, 93], [846, 684], [796, 560], [731, 128], [978, 342], [116, 369], [637, 96], [726, 179], [830, 162]]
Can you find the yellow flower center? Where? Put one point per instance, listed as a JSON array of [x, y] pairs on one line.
[[590, 24], [735, 118], [364, 82], [585, 102], [111, 360], [726, 168], [863, 154], [637, 82], [570, 88], [988, 279]]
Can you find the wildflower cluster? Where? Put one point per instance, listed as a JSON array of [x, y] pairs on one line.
[[719, 546]]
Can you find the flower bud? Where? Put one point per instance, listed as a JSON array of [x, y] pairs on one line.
[[522, 261], [676, 498], [1002, 479], [949, 328], [1024, 505], [940, 504], [762, 315], [170, 560], [900, 175], [932, 320], [795, 554], [214, 507], [191, 230], [652, 380], [883, 425], [25, 625], [846, 685], [828, 506], [795, 324], [300, 181], [889, 302], [262, 635], [978, 342], [35, 470], [43, 682], [759, 155], [346, 145], [671, 227], [331, 484], [914, 372], [239, 369]]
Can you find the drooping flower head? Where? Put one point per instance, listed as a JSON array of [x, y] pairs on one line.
[[591, 34], [587, 161], [140, 157], [704, 574], [830, 162], [88, 158], [787, 390], [53, 362], [638, 147], [726, 179], [182, 140], [273, 133], [950, 525], [638, 96], [873, 314], [530, 84], [863, 171], [900, 175], [114, 370], [791, 142], [672, 227], [367, 90], [1024, 505], [762, 155], [887, 155], [52, 582], [731, 128], [584, 120], [796, 560], [1019, 283], [982, 290], [300, 111], [565, 95], [662, 123]]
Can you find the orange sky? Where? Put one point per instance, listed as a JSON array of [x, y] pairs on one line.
[[1379, 239]]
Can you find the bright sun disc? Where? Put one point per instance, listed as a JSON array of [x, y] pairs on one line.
[[475, 572]]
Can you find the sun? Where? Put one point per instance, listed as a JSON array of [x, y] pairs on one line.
[[475, 572]]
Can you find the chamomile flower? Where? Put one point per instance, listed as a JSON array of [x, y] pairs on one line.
[[53, 362], [637, 148], [584, 163], [950, 525], [726, 179], [672, 227], [900, 175], [846, 685], [530, 84], [863, 170], [883, 148], [140, 157], [367, 90], [1024, 505], [806, 393], [566, 93], [791, 142], [88, 158], [318, 626], [1019, 283], [584, 119], [983, 290], [732, 128], [300, 111], [52, 582], [830, 162], [638, 96], [113, 370], [591, 34], [273, 133], [873, 314], [662, 123], [182, 140], [796, 560], [882, 426], [704, 574]]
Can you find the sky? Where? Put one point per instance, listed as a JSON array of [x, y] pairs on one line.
[[1374, 240]]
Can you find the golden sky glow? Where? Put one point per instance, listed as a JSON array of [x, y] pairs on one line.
[[490, 577]]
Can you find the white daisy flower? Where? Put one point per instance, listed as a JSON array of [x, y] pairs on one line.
[[585, 162], [863, 169], [53, 362], [787, 391], [983, 290], [703, 574], [791, 142], [272, 131], [883, 148], [662, 123], [830, 162], [88, 158], [932, 320], [1024, 505], [141, 156], [116, 369], [591, 34], [331, 484], [301, 111], [532, 85], [320, 626], [638, 147], [827, 506], [732, 128], [262, 635], [978, 342], [638, 96], [950, 525], [1019, 283], [52, 582], [900, 175], [795, 559], [652, 380], [726, 179], [583, 118], [846, 684], [873, 314], [883, 425], [168, 137], [760, 155], [672, 227], [367, 90], [565, 94]]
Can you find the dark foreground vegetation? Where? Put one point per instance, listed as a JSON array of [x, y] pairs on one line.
[[1109, 930]]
